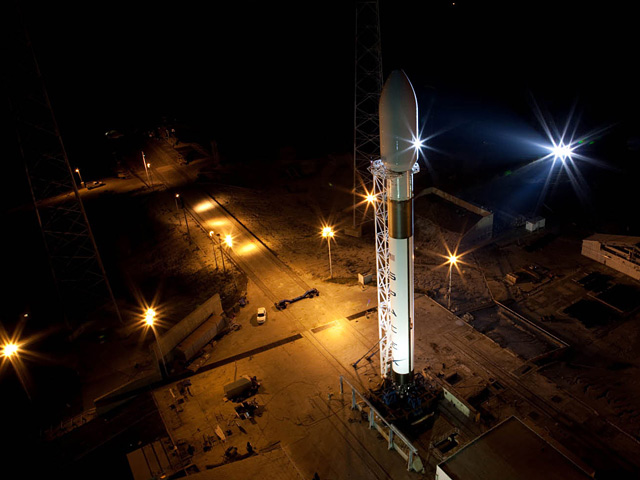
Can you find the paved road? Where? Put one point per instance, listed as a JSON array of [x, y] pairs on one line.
[[273, 277]]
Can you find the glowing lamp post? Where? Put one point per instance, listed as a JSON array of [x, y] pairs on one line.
[[215, 257], [80, 177], [149, 320], [146, 167], [452, 261], [224, 268], [11, 351], [327, 232]]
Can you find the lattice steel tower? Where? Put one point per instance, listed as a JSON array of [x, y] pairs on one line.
[[76, 266], [368, 85]]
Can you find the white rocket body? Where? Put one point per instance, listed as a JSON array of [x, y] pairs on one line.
[[398, 111]]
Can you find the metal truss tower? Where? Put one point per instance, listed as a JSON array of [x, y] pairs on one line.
[[380, 177], [368, 85], [76, 266], [379, 173]]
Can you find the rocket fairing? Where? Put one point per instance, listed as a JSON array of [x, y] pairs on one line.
[[398, 111]]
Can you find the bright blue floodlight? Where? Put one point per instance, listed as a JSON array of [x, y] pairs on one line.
[[561, 151]]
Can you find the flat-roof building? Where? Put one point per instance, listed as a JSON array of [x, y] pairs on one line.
[[509, 451], [620, 252]]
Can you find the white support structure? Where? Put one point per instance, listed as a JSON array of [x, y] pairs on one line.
[[379, 172], [380, 175]]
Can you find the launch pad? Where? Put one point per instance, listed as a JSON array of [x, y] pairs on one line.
[[411, 406]]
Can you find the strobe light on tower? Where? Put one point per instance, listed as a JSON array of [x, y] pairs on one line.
[[398, 110]]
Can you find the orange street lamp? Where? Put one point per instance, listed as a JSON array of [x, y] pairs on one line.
[[452, 260], [150, 320], [215, 257], [327, 232], [80, 177], [10, 350]]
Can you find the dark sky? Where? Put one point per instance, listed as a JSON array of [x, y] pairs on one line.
[[285, 71], [257, 76]]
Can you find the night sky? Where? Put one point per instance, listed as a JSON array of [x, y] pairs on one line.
[[271, 72]]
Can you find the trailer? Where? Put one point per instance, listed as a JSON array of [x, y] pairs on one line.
[[190, 346], [242, 388]]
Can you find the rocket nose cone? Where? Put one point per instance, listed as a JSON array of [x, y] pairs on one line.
[[398, 111]]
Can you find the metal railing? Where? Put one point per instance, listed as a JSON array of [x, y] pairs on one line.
[[396, 440]]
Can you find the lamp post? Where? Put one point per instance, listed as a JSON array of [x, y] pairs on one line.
[[150, 174], [215, 257], [11, 351], [146, 168], [224, 269], [452, 261], [327, 232], [80, 177], [149, 319]]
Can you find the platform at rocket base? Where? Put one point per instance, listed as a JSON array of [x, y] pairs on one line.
[[398, 111]]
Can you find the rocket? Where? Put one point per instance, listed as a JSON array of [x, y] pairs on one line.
[[398, 112]]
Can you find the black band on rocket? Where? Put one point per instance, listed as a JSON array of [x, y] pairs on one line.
[[400, 218]]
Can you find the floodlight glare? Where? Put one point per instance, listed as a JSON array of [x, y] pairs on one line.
[[418, 144], [561, 151], [9, 350], [327, 232], [150, 316]]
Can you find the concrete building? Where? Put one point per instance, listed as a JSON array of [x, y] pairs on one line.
[[620, 252], [534, 224], [509, 451]]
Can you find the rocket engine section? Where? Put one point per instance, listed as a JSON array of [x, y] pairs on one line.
[[398, 110]]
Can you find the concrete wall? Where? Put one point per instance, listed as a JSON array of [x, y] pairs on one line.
[[483, 230], [124, 393], [460, 404], [593, 249]]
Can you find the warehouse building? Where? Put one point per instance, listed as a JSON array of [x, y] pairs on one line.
[[620, 252], [510, 451]]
